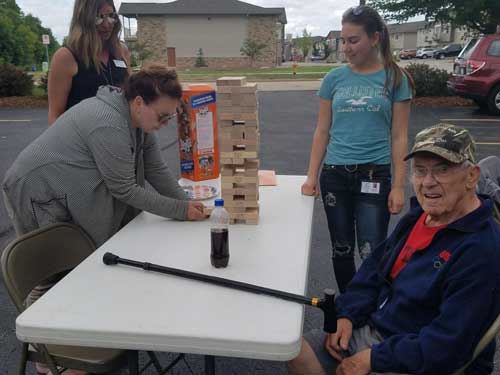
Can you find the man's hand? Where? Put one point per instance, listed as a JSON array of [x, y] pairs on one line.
[[358, 364], [337, 343], [310, 187], [196, 211], [396, 200]]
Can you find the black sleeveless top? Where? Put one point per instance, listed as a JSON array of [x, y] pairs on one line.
[[86, 81]]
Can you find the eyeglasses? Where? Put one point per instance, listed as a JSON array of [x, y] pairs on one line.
[[440, 172], [112, 18], [163, 118], [356, 11]]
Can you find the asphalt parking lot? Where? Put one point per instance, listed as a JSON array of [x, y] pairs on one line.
[[287, 124]]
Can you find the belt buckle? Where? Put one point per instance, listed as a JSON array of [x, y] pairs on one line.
[[346, 167]]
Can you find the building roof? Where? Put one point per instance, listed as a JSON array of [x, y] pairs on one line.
[[200, 7], [333, 34], [408, 27]]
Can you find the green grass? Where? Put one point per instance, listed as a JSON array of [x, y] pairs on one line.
[[37, 91], [255, 74]]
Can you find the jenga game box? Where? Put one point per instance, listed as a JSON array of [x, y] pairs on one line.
[[197, 127]]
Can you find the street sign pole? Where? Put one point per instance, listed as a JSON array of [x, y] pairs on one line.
[[46, 42]]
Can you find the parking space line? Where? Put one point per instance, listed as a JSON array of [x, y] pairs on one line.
[[472, 119], [15, 120]]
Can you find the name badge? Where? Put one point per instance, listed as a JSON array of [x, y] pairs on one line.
[[370, 187], [120, 64]]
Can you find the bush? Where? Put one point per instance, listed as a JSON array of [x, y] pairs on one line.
[[44, 81], [15, 82], [429, 81]]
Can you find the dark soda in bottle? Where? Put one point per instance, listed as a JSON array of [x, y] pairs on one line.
[[219, 233]]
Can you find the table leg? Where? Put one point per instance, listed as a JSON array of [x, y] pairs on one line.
[[209, 365], [133, 362]]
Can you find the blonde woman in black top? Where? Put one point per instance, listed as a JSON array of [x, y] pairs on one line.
[[93, 56]]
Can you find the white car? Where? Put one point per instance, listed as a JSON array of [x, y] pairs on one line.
[[424, 53]]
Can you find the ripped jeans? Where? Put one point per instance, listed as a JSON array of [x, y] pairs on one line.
[[355, 201]]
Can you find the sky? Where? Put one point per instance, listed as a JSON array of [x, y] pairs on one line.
[[319, 18]]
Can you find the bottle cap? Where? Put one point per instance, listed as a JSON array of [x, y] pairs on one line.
[[219, 202]]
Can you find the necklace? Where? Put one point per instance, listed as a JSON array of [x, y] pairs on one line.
[[107, 69]]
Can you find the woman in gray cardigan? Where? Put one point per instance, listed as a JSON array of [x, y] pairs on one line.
[[90, 166]]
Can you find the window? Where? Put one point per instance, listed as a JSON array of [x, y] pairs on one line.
[[494, 49]]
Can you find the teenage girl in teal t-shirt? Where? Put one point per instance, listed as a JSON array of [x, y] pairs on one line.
[[362, 130]]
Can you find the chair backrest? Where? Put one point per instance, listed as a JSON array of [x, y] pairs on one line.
[[490, 335], [40, 254]]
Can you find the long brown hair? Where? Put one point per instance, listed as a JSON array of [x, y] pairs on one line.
[[371, 22], [84, 40]]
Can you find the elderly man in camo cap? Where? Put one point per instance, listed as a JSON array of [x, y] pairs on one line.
[[424, 298]]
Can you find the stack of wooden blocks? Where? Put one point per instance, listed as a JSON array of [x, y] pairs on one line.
[[238, 121]]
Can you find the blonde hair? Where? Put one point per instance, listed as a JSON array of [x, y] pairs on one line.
[[84, 40]]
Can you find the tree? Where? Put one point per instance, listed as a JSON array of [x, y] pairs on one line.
[[200, 59], [253, 49], [138, 53], [305, 43], [21, 36], [482, 16]]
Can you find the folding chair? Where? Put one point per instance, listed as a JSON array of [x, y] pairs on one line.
[[38, 256], [490, 334]]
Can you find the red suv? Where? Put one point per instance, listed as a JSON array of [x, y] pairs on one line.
[[476, 72]]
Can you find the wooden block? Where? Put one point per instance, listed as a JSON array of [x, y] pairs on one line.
[[250, 192], [231, 81], [252, 164], [251, 213], [236, 210], [222, 96], [239, 155], [225, 123], [226, 171], [240, 203], [241, 179], [250, 118], [226, 147], [232, 132], [251, 148], [232, 161]]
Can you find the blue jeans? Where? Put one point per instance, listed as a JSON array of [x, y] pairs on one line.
[[355, 201]]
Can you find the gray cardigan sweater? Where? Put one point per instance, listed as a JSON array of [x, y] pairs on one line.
[[87, 168]]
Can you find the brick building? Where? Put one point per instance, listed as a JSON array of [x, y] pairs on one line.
[[174, 32]]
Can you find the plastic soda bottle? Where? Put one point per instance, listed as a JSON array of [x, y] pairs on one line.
[[219, 233]]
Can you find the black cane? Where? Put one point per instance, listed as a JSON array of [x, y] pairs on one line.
[[326, 304]]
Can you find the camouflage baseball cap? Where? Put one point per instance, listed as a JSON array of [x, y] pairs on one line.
[[448, 141]]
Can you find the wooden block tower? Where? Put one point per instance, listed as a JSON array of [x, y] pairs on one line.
[[238, 115]]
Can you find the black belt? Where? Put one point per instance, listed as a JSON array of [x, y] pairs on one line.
[[355, 167]]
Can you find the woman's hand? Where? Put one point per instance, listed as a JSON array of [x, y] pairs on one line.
[[310, 187], [196, 211], [396, 200]]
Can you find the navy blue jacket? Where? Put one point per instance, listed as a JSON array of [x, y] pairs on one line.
[[439, 306]]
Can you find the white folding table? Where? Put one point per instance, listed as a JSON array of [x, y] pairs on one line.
[[128, 308]]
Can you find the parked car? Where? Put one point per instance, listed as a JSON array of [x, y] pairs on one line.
[[447, 51], [318, 57], [476, 72], [423, 53], [408, 54]]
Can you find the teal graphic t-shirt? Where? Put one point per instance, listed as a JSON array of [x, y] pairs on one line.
[[361, 115]]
